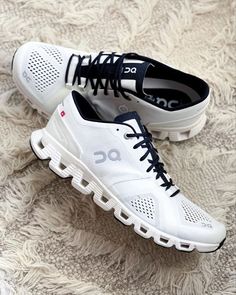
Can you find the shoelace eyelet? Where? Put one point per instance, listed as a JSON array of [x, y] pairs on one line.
[[126, 137]]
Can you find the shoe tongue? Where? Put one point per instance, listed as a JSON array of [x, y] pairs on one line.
[[132, 119], [133, 74]]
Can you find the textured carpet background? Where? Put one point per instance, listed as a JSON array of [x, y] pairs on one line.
[[55, 241]]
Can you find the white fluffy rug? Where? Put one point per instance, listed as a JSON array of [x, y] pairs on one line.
[[56, 241]]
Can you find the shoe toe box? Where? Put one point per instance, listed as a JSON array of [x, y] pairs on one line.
[[37, 70], [199, 226]]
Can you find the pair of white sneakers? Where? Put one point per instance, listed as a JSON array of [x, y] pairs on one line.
[[96, 136]]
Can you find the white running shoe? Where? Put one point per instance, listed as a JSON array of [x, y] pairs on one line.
[[117, 163], [170, 103]]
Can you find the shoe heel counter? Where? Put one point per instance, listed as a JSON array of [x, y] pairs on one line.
[[57, 127]]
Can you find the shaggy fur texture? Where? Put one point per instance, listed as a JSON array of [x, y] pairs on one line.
[[54, 240]]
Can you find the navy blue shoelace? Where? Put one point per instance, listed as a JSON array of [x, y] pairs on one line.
[[155, 164], [114, 79]]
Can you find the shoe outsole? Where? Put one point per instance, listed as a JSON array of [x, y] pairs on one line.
[[13, 60], [85, 182]]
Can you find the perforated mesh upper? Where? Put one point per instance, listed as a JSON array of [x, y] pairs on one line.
[[145, 205], [44, 73], [54, 52], [192, 213]]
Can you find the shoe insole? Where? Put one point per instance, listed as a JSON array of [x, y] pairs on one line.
[[168, 93]]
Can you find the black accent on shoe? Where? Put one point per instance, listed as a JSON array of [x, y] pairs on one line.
[[220, 246]]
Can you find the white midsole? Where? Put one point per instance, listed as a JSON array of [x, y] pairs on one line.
[[66, 164], [178, 133]]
